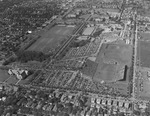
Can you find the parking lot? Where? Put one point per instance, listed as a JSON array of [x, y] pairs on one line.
[[87, 50], [68, 63]]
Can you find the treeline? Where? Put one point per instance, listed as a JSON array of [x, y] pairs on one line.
[[25, 56], [98, 32], [79, 43], [32, 41]]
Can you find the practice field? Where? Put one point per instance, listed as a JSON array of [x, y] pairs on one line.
[[112, 59], [3, 75], [51, 39], [143, 53]]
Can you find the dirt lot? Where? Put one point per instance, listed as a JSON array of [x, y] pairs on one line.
[[51, 39]]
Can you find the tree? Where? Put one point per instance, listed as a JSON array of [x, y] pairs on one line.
[[10, 60], [2, 110], [79, 43], [97, 33], [136, 112], [25, 56]]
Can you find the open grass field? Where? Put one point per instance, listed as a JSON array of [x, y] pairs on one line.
[[144, 36], [143, 85], [111, 59], [121, 87], [51, 39], [121, 53], [146, 13], [89, 68], [3, 75], [105, 72], [107, 9], [143, 53], [84, 16], [12, 80]]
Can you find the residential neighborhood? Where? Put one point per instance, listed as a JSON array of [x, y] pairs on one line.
[[74, 57]]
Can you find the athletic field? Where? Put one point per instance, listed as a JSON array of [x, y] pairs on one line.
[[143, 53], [111, 59], [51, 39], [143, 83]]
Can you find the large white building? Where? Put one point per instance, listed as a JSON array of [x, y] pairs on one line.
[[20, 74]]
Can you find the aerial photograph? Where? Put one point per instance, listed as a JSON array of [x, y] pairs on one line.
[[74, 57]]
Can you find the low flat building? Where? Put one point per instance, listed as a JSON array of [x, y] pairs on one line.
[[98, 101], [88, 31], [120, 104], [115, 103], [82, 38], [126, 105], [109, 102], [104, 102]]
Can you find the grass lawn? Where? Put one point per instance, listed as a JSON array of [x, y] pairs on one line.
[[144, 92], [144, 36], [146, 13], [89, 68], [51, 39], [144, 53], [3, 75], [111, 59], [12, 80], [118, 52], [105, 72], [121, 87]]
